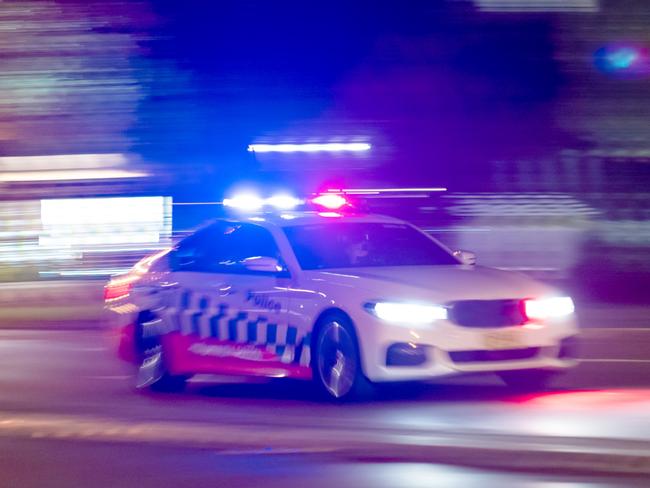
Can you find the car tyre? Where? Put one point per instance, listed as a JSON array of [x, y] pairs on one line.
[[336, 362], [152, 369]]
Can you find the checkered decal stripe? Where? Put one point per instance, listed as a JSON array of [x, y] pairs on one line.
[[196, 314]]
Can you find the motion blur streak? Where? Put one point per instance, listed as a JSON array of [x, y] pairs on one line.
[[589, 400], [61, 161], [88, 236], [69, 175], [538, 5], [310, 147], [363, 191]]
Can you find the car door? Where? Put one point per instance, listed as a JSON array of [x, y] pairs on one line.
[[258, 300], [230, 318]]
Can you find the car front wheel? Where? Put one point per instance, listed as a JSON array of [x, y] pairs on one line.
[[336, 365]]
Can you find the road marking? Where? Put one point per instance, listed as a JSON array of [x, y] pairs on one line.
[[276, 451], [616, 330], [614, 360], [119, 377]]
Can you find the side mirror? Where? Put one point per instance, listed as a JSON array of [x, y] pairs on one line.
[[466, 257], [262, 264]]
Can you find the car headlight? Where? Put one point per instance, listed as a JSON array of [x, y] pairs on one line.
[[548, 308], [407, 313]]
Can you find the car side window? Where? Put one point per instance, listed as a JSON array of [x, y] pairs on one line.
[[222, 247], [192, 252], [239, 242]]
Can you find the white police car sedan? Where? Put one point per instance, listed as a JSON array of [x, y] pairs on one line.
[[344, 300]]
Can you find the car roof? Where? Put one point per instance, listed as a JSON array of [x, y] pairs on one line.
[[291, 219]]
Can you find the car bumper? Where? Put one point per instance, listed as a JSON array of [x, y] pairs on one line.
[[393, 353], [440, 364], [121, 320]]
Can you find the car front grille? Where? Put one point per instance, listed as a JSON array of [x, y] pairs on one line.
[[487, 356], [487, 313]]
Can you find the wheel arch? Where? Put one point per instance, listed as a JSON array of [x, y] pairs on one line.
[[321, 320], [139, 344]]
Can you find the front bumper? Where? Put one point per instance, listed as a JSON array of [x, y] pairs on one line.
[[393, 353]]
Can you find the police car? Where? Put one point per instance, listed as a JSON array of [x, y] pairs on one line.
[[341, 298]]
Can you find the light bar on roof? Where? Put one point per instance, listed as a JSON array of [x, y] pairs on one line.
[[283, 202], [251, 202], [311, 147], [330, 201], [375, 191], [244, 201]]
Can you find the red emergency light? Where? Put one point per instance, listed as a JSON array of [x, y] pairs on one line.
[[330, 201]]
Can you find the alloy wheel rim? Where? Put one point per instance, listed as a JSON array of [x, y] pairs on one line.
[[336, 359]]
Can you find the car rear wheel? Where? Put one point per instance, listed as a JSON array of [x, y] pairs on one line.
[[528, 380], [152, 371], [336, 365]]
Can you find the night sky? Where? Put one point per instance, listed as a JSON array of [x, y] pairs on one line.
[[436, 87], [431, 83]]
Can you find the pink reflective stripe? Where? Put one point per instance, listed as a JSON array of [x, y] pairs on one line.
[[189, 354]]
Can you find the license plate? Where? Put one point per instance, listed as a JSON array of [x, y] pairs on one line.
[[501, 340]]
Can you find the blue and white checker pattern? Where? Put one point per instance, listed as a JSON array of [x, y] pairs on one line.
[[209, 317]]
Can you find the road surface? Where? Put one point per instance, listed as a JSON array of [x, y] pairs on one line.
[[68, 411]]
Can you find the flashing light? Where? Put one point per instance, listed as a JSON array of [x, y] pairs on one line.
[[375, 191], [548, 308], [251, 202], [312, 147], [330, 201], [283, 202], [331, 215], [408, 314], [245, 201]]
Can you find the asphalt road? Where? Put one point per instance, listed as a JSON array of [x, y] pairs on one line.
[[67, 464], [68, 411]]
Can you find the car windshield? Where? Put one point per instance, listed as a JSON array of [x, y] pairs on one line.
[[348, 245]]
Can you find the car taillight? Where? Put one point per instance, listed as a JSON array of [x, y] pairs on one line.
[[548, 308], [119, 288]]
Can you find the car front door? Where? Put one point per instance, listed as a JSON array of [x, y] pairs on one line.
[[231, 318]]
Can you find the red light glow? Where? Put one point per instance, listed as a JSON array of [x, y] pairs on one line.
[[548, 308], [330, 201], [119, 288]]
